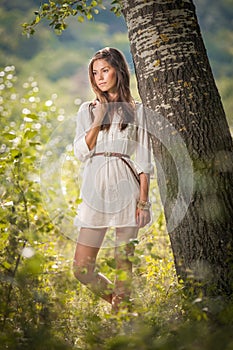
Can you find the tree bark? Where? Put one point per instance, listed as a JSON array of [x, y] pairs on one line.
[[175, 81]]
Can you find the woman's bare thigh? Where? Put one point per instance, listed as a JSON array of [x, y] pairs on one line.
[[88, 245]]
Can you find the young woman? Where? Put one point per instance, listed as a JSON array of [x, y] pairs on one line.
[[115, 188]]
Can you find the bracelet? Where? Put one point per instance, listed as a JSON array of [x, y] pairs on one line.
[[143, 205]]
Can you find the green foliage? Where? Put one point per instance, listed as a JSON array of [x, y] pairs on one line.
[[57, 12], [28, 252]]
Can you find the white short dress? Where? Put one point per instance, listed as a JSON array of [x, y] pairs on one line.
[[109, 190]]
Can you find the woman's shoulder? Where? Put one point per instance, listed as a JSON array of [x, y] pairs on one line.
[[85, 105], [83, 115]]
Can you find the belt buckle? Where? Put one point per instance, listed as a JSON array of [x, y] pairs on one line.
[[107, 154]]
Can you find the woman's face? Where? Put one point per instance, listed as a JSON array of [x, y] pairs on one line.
[[105, 76]]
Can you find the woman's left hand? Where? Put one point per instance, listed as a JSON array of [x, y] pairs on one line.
[[142, 217]]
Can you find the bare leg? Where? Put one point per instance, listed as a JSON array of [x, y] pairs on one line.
[[123, 250], [88, 245]]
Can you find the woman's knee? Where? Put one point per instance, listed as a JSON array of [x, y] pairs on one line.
[[84, 263], [84, 273]]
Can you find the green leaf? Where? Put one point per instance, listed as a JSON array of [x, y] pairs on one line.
[[29, 159], [135, 260], [37, 20], [80, 19], [2, 168], [33, 265], [6, 265], [155, 256], [111, 263], [33, 116], [15, 153], [78, 201], [9, 135], [30, 134], [32, 143], [58, 26], [45, 7], [121, 275]]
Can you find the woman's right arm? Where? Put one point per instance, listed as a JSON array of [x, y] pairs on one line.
[[91, 136], [87, 131]]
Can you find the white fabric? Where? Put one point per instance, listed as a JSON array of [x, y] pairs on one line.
[[109, 189]]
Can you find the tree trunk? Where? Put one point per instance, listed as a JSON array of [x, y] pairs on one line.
[[175, 80]]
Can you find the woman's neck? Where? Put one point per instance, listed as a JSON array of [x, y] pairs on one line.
[[112, 96]]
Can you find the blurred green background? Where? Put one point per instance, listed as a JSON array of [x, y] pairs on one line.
[[59, 63]]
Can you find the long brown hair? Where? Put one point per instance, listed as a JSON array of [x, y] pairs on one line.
[[117, 60]]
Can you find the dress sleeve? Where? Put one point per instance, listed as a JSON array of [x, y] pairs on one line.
[[143, 147], [84, 122]]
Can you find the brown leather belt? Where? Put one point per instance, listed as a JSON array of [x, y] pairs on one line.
[[122, 157], [111, 154]]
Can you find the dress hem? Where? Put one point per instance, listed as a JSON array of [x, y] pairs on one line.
[[110, 226]]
